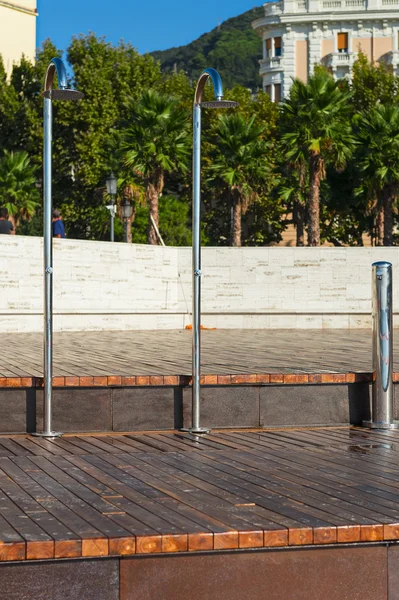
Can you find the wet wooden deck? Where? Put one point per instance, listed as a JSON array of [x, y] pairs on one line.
[[170, 492]]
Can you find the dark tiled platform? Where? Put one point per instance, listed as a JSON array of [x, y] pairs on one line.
[[302, 513]]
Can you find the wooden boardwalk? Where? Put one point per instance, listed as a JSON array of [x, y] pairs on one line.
[[146, 493], [157, 353]]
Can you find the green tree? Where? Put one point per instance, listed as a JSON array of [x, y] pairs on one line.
[[239, 163], [18, 193], [378, 133], [372, 83], [155, 142], [316, 129]]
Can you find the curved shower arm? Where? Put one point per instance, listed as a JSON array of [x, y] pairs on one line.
[[216, 81], [56, 66]]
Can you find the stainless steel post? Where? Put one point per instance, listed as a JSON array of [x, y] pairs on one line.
[[112, 212], [196, 341], [48, 269], [382, 389], [48, 273]]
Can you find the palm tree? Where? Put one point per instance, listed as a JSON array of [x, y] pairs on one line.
[[240, 163], [379, 161], [156, 141], [18, 193], [316, 130]]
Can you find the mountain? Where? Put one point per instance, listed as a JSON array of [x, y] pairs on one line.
[[233, 48]]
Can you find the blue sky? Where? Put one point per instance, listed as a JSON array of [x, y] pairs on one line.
[[148, 25]]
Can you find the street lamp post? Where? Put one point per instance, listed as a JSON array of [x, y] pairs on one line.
[[63, 93], [112, 188], [127, 211], [214, 76]]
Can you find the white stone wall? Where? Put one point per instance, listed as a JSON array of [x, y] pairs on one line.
[[99, 285]]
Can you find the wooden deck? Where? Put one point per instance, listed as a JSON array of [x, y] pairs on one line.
[[170, 492], [168, 353]]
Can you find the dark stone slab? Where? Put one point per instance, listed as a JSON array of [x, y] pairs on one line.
[[17, 409], [61, 580], [359, 395], [80, 409], [327, 574], [284, 405], [225, 406], [141, 408], [393, 573]]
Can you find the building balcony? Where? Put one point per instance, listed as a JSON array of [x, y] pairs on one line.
[[341, 59], [271, 64], [273, 8], [342, 5]]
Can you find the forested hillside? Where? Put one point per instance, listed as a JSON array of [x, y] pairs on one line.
[[233, 49]]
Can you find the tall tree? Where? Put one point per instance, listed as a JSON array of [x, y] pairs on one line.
[[155, 141], [18, 193], [378, 156], [240, 163], [316, 128]]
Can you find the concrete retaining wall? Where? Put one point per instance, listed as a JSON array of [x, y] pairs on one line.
[[99, 285]]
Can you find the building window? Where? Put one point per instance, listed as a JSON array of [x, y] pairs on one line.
[[277, 92], [268, 47], [342, 42], [268, 89], [277, 46]]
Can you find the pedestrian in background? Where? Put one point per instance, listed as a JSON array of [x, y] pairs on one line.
[[58, 225], [5, 225]]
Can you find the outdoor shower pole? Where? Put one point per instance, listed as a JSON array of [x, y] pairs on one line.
[[196, 340], [63, 93], [196, 244], [382, 390], [48, 269]]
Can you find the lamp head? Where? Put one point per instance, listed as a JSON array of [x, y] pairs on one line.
[[112, 184]]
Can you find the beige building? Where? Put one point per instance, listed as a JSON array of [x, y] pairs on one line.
[[297, 34], [17, 31]]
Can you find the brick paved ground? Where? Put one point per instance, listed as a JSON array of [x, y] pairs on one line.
[[169, 352]]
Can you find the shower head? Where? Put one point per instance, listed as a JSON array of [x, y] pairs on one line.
[[65, 94], [219, 104]]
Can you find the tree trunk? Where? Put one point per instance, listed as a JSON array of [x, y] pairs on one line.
[[154, 187], [315, 176], [299, 219], [389, 198], [14, 221], [379, 223], [236, 224], [129, 226]]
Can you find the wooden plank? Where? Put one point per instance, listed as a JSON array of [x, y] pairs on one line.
[[47, 477], [122, 482]]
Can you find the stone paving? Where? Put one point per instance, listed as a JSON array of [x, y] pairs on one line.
[[169, 352]]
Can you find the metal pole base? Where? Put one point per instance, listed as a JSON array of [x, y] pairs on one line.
[[376, 425], [48, 434], [196, 430]]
